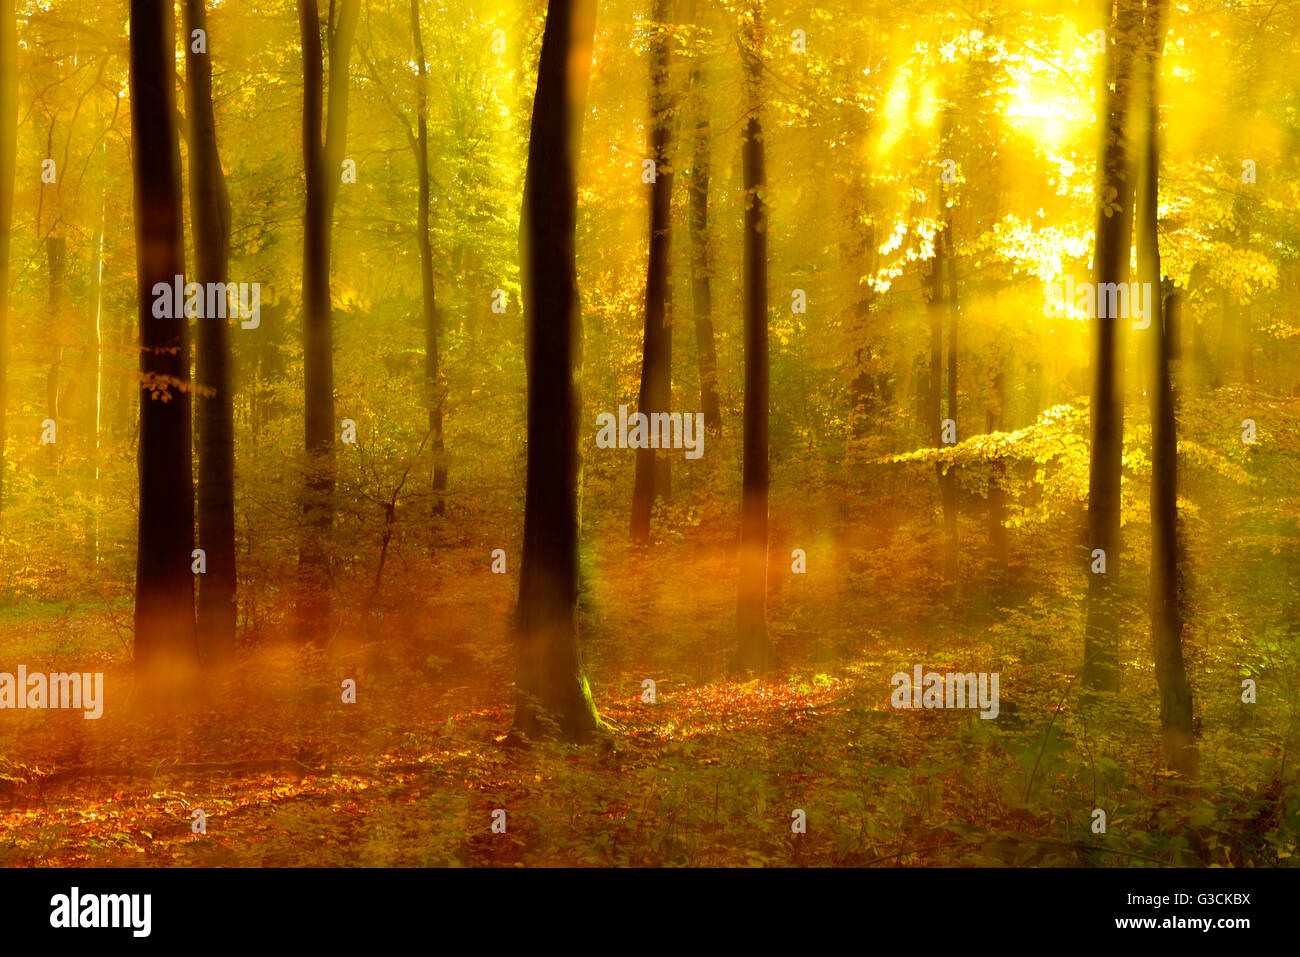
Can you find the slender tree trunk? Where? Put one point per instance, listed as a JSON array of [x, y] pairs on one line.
[[8, 166], [754, 650], [432, 373], [1247, 346], [947, 490], [949, 480], [865, 394], [1166, 618], [1106, 408], [164, 586], [697, 188], [997, 493], [652, 465], [210, 214], [322, 163], [56, 255], [551, 692], [99, 350]]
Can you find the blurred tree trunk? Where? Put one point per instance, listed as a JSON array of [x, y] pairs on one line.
[[997, 493], [432, 372], [754, 650], [322, 163], [1106, 408], [8, 167], [210, 216], [934, 397], [56, 255], [164, 585], [866, 396], [949, 480], [1166, 617], [697, 187], [551, 692], [652, 465]]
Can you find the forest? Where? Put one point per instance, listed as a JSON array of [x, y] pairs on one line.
[[649, 433]]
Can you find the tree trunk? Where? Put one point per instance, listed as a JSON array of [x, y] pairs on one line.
[[997, 494], [433, 385], [56, 255], [164, 585], [1166, 618], [947, 489], [322, 164], [551, 692], [949, 480], [652, 465], [8, 167], [210, 213], [754, 650], [1106, 408], [697, 188]]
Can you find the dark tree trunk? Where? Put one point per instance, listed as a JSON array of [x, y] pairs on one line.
[[1106, 408], [8, 166], [949, 480], [433, 385], [164, 584], [1166, 617], [551, 693], [754, 650], [697, 188], [652, 465], [210, 212], [56, 256], [997, 477], [322, 165], [865, 394], [947, 488]]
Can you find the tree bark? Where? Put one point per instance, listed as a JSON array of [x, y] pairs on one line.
[[949, 479], [432, 372], [1106, 408], [56, 256], [997, 500], [551, 692], [947, 488], [210, 213], [652, 465], [1166, 618], [697, 188], [322, 164], [754, 650], [8, 168], [164, 587]]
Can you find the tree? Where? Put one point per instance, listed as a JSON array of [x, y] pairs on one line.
[[210, 213], [322, 162], [1106, 407], [8, 167], [1166, 614], [164, 584], [944, 302], [551, 692], [434, 391], [652, 465], [697, 188], [754, 650]]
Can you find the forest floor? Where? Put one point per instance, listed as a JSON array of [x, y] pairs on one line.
[[708, 774]]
